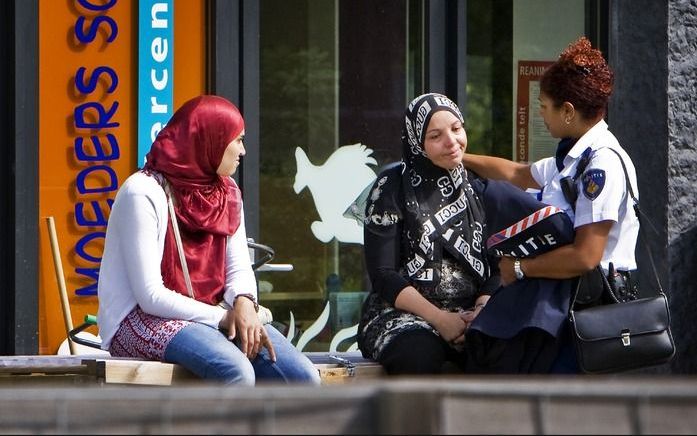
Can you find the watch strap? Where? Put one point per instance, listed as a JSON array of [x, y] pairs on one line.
[[250, 297], [519, 274]]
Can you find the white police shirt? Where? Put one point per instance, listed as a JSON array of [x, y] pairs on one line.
[[602, 194]]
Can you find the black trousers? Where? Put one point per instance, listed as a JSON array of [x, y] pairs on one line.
[[421, 352]]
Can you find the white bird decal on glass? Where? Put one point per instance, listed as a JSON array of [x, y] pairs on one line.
[[334, 185]]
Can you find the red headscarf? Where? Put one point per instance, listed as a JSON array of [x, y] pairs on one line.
[[187, 152]]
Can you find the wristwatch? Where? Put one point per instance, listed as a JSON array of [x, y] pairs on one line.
[[519, 275], [250, 297]]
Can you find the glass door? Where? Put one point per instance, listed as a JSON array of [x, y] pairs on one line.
[[335, 77]]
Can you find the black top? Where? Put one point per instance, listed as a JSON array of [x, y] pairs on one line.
[[385, 240]]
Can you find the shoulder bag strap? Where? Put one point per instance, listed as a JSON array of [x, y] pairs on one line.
[[639, 215], [178, 239], [641, 235]]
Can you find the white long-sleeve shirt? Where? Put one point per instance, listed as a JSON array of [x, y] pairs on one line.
[[130, 269]]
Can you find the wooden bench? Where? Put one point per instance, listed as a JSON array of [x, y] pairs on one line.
[[344, 367], [85, 368], [334, 368]]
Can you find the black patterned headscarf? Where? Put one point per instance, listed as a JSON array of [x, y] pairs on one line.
[[443, 211]]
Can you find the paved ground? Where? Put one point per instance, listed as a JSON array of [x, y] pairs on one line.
[[636, 404]]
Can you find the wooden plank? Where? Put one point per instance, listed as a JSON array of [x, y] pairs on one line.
[[38, 360], [34, 369], [166, 374], [338, 367], [344, 367], [107, 370], [57, 365], [142, 372], [337, 374], [16, 370]]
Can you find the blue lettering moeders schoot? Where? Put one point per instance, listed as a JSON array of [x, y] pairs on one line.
[[96, 137]]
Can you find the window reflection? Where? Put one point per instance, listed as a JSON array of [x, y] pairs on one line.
[[333, 74], [338, 73]]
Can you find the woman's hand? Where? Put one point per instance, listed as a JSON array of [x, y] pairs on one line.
[[451, 326], [469, 315], [242, 323]]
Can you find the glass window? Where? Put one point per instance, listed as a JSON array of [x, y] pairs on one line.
[[335, 77], [509, 43]]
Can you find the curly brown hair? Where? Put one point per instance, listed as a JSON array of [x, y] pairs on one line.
[[580, 76]]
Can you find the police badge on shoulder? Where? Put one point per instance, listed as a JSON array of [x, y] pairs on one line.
[[593, 182]]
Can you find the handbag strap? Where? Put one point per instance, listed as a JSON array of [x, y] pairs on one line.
[[639, 215], [178, 239]]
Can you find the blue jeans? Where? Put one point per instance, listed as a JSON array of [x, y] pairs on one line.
[[209, 354]]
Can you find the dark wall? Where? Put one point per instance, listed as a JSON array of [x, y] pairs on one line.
[[652, 113], [371, 92], [19, 239], [638, 107], [6, 243]]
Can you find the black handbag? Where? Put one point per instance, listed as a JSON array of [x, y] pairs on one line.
[[619, 332], [622, 336]]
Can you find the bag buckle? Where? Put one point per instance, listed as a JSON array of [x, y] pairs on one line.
[[625, 338]]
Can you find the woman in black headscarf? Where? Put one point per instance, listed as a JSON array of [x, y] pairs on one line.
[[423, 242]]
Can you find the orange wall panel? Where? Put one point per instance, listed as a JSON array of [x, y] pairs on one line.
[[65, 179], [190, 50]]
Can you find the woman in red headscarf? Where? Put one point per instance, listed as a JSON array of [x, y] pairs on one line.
[[176, 282]]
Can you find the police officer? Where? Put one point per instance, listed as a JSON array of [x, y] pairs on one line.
[[586, 177]]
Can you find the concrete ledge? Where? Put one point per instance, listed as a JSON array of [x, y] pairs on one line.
[[432, 405]]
